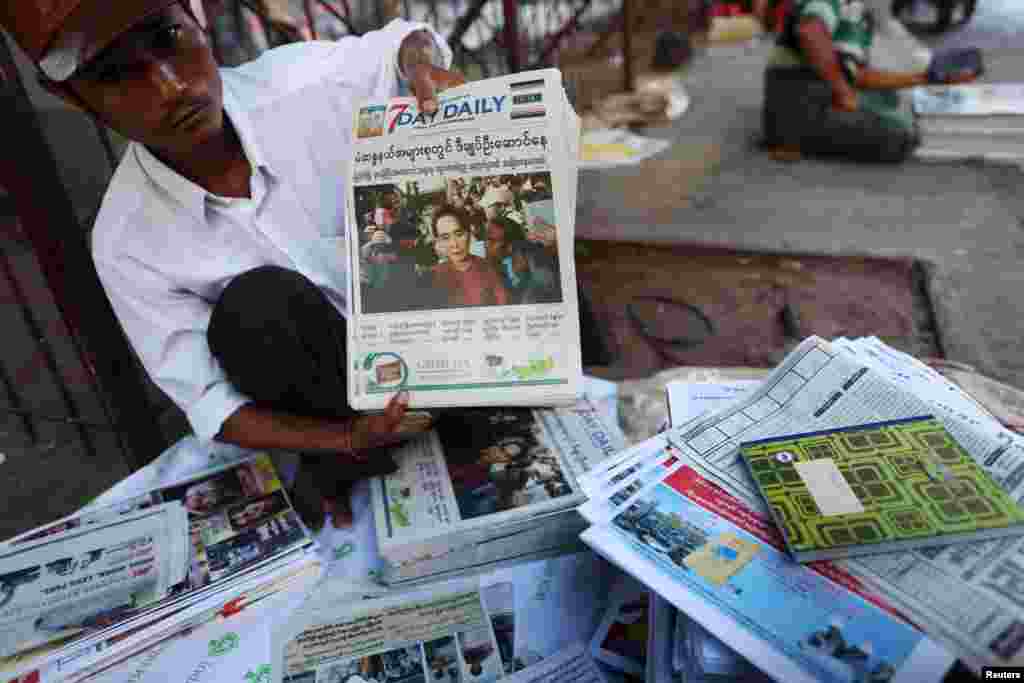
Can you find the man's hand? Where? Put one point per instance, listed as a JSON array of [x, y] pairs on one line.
[[392, 426], [417, 61], [427, 80]]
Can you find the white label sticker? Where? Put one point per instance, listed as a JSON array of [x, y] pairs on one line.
[[830, 491]]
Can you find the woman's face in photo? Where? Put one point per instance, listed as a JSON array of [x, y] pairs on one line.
[[454, 239]]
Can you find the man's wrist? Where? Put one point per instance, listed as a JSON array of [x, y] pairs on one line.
[[342, 437]]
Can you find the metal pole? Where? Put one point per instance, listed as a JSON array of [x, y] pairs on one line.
[[627, 45], [564, 31], [510, 12], [307, 6]]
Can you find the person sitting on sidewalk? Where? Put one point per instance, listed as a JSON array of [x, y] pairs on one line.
[[220, 241], [823, 98]]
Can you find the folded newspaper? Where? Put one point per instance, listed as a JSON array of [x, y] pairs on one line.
[[488, 484], [452, 631], [461, 247], [170, 553]]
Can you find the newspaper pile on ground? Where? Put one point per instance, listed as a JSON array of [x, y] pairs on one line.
[[488, 485], [680, 512], [971, 121], [461, 245], [166, 551]]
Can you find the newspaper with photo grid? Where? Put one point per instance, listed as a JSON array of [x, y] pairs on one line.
[[461, 247]]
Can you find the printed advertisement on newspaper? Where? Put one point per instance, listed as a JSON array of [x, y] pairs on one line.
[[726, 568]]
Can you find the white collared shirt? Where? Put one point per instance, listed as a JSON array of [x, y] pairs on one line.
[[165, 248]]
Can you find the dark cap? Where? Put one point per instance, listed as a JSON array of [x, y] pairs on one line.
[[62, 35]]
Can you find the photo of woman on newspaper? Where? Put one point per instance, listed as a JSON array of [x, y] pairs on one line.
[[498, 461], [457, 242]]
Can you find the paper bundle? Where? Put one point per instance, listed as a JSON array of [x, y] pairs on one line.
[[971, 121]]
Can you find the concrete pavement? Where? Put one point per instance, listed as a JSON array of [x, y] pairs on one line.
[[715, 186]]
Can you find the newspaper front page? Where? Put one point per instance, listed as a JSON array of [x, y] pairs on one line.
[[58, 586], [727, 569], [969, 597], [484, 470], [461, 247]]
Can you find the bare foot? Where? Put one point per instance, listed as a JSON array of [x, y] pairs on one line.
[[785, 153], [340, 510]]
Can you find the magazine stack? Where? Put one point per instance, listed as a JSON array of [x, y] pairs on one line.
[[181, 546], [971, 121], [486, 486]]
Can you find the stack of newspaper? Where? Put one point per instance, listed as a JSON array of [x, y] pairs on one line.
[[461, 244], [680, 513], [486, 486], [971, 121], [180, 546]]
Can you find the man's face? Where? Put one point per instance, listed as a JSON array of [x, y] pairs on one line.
[[495, 240], [454, 238], [519, 264], [157, 84]]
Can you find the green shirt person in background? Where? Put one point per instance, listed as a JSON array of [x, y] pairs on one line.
[[823, 98]]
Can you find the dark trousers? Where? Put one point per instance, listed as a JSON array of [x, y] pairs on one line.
[[798, 112], [281, 342]]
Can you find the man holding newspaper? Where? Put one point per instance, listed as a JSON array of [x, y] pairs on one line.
[[221, 240]]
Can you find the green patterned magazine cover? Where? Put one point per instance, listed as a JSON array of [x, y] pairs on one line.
[[877, 488]]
